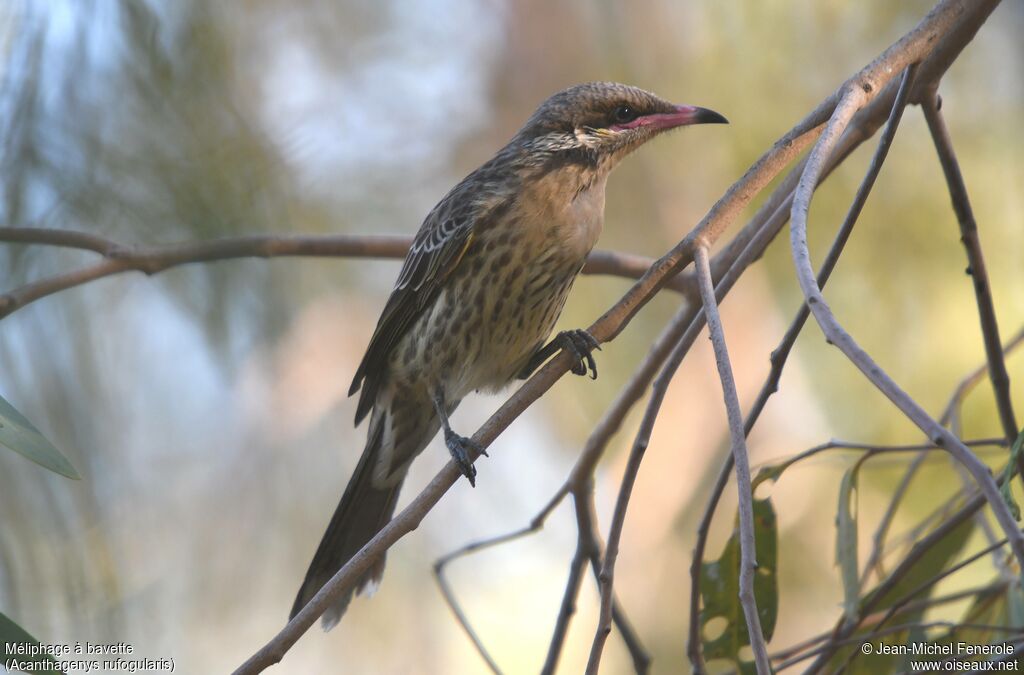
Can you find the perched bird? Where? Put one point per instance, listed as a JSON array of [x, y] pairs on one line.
[[479, 293]]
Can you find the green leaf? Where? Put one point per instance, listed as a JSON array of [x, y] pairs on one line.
[[925, 568], [13, 636], [719, 591], [992, 608], [770, 472], [1015, 604], [928, 566], [846, 543], [1008, 475], [18, 434]]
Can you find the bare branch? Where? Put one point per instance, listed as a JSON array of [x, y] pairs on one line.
[[588, 549], [748, 562], [853, 99], [781, 353], [976, 268], [151, 260], [971, 380], [786, 655], [949, 417], [874, 561]]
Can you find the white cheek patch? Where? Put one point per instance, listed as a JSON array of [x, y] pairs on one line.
[[587, 137]]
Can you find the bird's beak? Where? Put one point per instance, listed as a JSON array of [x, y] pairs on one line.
[[682, 116]]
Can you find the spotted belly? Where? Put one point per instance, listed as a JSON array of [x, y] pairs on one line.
[[491, 318]]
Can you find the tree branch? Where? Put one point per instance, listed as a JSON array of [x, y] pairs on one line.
[[152, 260], [853, 99], [748, 562], [781, 353], [976, 268]]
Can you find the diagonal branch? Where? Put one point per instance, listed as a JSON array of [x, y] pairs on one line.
[[781, 353], [851, 101], [948, 417], [976, 268]]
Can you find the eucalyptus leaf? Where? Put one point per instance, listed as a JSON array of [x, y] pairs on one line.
[[13, 636], [992, 608], [20, 435], [925, 568], [719, 590], [846, 543], [1008, 476]]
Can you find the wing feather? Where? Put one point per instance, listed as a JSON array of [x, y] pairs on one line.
[[439, 246]]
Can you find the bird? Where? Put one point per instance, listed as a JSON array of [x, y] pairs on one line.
[[478, 295]]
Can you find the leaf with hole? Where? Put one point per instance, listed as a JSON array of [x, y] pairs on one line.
[[719, 592], [18, 434]]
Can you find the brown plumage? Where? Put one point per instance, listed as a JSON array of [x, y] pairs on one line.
[[480, 291]]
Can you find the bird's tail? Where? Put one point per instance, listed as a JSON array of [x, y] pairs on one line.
[[364, 509], [399, 430]]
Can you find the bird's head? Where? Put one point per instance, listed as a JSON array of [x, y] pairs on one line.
[[601, 122]]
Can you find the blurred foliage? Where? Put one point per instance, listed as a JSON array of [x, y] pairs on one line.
[[21, 436], [17, 645], [205, 407]]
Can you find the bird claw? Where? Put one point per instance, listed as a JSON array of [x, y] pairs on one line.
[[581, 345], [460, 447]]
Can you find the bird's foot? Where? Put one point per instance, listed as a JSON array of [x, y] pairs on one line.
[[581, 345], [460, 447]]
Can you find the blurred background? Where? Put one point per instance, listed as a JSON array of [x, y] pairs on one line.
[[205, 407]]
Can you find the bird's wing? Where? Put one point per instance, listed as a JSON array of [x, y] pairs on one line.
[[442, 241]]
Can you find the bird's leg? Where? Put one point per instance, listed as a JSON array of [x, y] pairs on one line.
[[459, 446], [577, 342]]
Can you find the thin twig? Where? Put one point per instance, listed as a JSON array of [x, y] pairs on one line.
[[636, 455], [748, 551], [874, 561], [788, 653], [976, 268], [972, 379], [851, 101], [949, 414], [577, 568], [781, 353], [150, 260], [924, 585], [449, 594], [584, 497]]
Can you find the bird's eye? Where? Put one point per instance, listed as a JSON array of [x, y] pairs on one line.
[[623, 114]]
